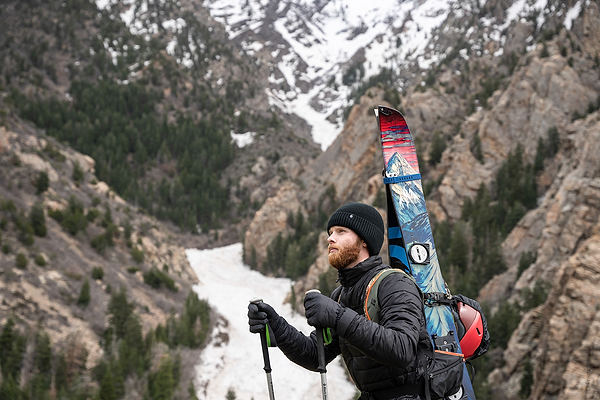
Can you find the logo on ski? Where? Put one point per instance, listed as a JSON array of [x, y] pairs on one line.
[[419, 253]]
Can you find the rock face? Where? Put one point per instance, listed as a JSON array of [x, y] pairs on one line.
[[353, 158], [559, 337], [543, 95], [348, 166], [270, 220], [555, 84]]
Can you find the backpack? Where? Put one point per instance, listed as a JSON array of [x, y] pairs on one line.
[[444, 365], [471, 325]]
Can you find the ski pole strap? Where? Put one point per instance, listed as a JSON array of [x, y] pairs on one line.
[[270, 337], [403, 178], [327, 336]]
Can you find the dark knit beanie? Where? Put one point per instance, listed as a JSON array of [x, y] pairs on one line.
[[364, 220]]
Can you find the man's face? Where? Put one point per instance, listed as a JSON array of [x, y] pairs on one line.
[[345, 247]]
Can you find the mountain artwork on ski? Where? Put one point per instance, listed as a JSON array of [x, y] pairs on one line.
[[410, 239]]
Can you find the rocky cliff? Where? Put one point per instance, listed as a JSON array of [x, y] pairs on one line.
[[554, 86], [558, 337], [350, 166]]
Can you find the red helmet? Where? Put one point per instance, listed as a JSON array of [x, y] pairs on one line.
[[471, 320]]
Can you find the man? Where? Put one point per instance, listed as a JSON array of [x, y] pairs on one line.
[[381, 357]]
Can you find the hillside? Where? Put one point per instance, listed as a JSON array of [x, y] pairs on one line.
[[79, 73], [78, 265]]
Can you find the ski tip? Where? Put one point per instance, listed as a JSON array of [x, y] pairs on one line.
[[387, 111]]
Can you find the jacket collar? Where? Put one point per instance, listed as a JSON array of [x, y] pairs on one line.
[[349, 276]]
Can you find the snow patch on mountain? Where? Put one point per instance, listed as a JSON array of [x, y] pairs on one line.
[[242, 139], [314, 44], [573, 13], [323, 38]]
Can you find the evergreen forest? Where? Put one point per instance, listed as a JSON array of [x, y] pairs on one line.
[[131, 359], [118, 127]]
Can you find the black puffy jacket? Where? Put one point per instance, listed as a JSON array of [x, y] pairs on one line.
[[379, 356]]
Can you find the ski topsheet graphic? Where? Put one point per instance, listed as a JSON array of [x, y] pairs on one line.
[[411, 245]]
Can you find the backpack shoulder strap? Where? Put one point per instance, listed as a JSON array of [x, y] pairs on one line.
[[371, 306]]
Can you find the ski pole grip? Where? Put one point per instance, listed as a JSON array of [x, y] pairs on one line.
[[263, 341], [320, 341]]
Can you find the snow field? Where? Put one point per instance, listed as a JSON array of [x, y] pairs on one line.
[[237, 363]]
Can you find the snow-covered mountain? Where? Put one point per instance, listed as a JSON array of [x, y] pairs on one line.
[[319, 52]]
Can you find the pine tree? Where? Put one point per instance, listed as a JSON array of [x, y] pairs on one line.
[[78, 174], [107, 219], [231, 394], [554, 140], [43, 355], [21, 261], [252, 262], [118, 378], [131, 348], [97, 273], [503, 323], [60, 374], [540, 156], [107, 387], [526, 379], [292, 260], [84, 294], [12, 347], [119, 310], [459, 248], [438, 145], [38, 220], [162, 386], [7, 340], [42, 182], [9, 389]]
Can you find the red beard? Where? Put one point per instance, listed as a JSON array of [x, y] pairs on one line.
[[345, 255]]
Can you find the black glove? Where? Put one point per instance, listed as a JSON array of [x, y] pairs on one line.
[[321, 311], [259, 315]]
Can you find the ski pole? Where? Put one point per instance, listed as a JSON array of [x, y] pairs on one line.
[[265, 351], [321, 354]]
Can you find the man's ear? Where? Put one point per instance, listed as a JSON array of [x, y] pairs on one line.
[[364, 244]]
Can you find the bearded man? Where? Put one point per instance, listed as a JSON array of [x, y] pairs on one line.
[[381, 357]]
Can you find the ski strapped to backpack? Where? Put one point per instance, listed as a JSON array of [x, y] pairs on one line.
[[444, 365], [469, 319], [471, 325]]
